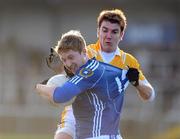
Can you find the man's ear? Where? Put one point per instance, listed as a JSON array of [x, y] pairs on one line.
[[84, 51], [121, 35], [97, 32]]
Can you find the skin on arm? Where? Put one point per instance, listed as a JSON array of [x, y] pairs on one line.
[[46, 91], [145, 90]]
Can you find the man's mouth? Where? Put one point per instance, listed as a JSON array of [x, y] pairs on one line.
[[108, 43], [72, 69]]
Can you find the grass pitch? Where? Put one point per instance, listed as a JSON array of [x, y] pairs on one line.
[[25, 136]]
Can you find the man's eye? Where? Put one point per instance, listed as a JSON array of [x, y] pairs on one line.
[[115, 32], [70, 58], [104, 30]]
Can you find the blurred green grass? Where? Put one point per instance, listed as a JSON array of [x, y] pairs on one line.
[[25, 136]]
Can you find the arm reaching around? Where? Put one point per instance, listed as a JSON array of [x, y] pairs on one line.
[[45, 91]]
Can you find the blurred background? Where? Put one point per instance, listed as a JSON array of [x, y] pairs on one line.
[[29, 28]]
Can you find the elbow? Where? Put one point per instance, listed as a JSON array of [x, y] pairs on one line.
[[152, 95], [57, 96], [149, 95], [146, 91]]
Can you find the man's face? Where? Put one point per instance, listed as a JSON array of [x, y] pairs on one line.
[[73, 60], [109, 35]]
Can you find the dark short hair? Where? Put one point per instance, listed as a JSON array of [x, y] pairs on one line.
[[113, 16]]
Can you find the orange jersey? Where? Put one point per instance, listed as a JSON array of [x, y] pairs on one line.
[[121, 59]]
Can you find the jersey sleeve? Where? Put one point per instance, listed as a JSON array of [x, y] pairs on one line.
[[87, 77], [133, 63]]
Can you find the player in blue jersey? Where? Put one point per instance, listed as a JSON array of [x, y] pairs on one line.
[[98, 87]]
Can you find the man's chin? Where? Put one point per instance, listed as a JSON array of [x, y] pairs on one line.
[[108, 50], [70, 70], [108, 47], [73, 71]]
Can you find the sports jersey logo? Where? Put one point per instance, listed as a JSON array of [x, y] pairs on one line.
[[84, 72]]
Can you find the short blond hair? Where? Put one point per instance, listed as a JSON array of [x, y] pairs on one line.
[[113, 16], [72, 40]]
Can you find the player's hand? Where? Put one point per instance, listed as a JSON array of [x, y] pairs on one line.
[[53, 61], [133, 76], [51, 58], [44, 82], [46, 92]]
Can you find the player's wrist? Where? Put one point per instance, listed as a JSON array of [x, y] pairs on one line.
[[135, 83]]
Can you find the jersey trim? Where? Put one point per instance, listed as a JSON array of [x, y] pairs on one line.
[[98, 105]]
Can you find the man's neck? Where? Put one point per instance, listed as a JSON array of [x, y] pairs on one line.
[[107, 57]]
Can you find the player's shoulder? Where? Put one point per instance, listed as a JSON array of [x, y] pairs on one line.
[[92, 64], [91, 50], [130, 60], [93, 45], [128, 55], [90, 68], [87, 75]]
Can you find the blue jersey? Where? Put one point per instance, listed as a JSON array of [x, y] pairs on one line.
[[99, 90]]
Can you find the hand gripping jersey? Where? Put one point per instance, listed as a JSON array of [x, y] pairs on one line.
[[99, 88]]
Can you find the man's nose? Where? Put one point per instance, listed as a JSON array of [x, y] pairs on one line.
[[109, 34], [68, 63]]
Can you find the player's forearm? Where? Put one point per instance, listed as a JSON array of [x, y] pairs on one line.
[[145, 90], [65, 93]]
